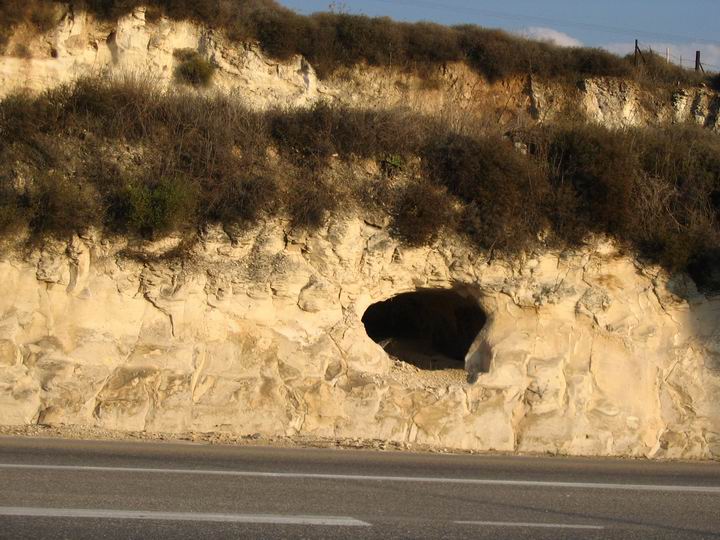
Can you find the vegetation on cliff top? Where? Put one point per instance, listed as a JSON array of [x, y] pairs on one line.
[[135, 160], [331, 40]]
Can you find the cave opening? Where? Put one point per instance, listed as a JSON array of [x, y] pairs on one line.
[[430, 329]]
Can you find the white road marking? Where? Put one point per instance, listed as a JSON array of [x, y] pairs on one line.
[[530, 525], [181, 516], [358, 477]]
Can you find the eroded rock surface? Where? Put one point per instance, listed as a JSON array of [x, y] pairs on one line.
[[584, 352]]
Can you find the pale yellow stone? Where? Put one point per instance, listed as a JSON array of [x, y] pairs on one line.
[[608, 363]]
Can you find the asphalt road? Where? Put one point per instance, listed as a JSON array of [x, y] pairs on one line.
[[79, 489]]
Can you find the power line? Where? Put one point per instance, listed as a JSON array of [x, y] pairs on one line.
[[617, 30]]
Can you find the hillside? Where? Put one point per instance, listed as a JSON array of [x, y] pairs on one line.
[[205, 208]]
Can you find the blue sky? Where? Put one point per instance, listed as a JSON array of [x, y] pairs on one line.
[[682, 25]]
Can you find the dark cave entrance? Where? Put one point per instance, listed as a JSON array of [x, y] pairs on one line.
[[430, 329]]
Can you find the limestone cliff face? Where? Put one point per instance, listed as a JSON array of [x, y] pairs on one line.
[[82, 46], [584, 352]]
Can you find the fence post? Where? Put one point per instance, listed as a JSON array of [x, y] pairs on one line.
[[697, 61], [637, 48]]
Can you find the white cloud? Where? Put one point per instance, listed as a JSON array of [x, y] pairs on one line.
[[710, 54], [550, 35]]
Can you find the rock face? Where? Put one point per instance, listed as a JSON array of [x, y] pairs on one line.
[[82, 46], [585, 352]]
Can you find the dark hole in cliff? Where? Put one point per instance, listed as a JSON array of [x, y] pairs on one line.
[[430, 329]]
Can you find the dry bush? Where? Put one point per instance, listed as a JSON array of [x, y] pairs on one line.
[[704, 267], [23, 116], [60, 205], [491, 52], [305, 135], [241, 200], [503, 190], [125, 107], [715, 82], [594, 170], [310, 202], [281, 33], [498, 55], [428, 43], [193, 68], [653, 68], [421, 212], [311, 136], [657, 190], [680, 197], [12, 211]]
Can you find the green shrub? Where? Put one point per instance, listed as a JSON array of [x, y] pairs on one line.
[[392, 164], [158, 206], [192, 68], [21, 51]]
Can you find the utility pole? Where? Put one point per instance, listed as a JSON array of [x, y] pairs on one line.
[[667, 55]]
